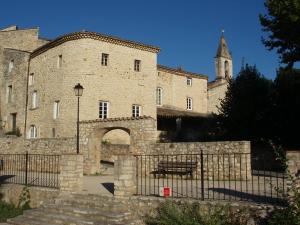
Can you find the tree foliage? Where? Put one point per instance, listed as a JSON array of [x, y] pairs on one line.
[[244, 112], [282, 24]]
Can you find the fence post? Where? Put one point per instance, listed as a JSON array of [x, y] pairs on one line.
[[26, 168], [202, 174]]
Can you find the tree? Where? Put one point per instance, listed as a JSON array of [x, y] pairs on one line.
[[245, 110], [287, 107], [283, 27]]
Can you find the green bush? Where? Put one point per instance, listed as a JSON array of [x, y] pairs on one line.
[[8, 211], [170, 213]]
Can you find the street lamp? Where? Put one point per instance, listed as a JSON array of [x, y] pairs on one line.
[[78, 89]]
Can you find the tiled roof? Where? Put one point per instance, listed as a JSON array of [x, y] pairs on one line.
[[117, 119], [95, 36], [181, 72]]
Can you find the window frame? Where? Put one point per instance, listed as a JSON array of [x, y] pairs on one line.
[[31, 79], [102, 113], [159, 96], [11, 65], [189, 103], [136, 110], [189, 81], [34, 100], [59, 61], [104, 59], [137, 65], [56, 109], [33, 132], [9, 94]]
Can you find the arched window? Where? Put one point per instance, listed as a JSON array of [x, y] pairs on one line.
[[159, 96], [32, 131], [226, 68]]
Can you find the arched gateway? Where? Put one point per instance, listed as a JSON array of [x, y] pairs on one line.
[[142, 131]]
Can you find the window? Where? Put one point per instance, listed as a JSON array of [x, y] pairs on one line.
[[56, 110], [10, 65], [189, 81], [189, 103], [137, 65], [103, 110], [32, 131], [226, 67], [9, 93], [159, 96], [31, 79], [13, 121], [34, 100], [59, 61], [136, 110], [53, 132], [104, 59]]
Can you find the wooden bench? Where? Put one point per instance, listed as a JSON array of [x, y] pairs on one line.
[[176, 168]]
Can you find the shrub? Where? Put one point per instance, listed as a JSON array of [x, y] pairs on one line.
[[170, 213], [8, 211]]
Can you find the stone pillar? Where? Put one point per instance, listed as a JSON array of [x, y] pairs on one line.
[[293, 163], [125, 176], [71, 172]]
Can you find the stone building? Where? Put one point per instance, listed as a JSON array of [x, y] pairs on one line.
[[121, 78]]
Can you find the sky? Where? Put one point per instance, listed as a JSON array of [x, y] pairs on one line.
[[187, 31]]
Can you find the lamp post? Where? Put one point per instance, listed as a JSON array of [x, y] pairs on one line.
[[78, 89]]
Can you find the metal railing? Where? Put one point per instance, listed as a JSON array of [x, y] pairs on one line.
[[225, 176], [30, 169]]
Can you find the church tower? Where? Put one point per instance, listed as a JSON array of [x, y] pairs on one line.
[[223, 61]]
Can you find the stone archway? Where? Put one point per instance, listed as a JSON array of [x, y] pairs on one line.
[[142, 131]]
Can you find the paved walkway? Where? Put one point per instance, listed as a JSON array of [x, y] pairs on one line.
[[99, 184]]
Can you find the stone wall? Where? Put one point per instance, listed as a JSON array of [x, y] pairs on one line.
[[38, 196], [9, 145], [224, 160], [108, 151]]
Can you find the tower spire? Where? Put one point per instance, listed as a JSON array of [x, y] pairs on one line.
[[223, 60]]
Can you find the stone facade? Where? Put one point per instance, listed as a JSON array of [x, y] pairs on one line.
[[175, 89], [44, 74], [216, 92]]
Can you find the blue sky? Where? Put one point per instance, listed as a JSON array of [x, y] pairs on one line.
[[187, 31]]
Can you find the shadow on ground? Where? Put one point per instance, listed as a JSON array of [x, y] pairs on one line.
[[239, 195]]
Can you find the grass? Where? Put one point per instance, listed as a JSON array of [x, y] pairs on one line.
[[8, 211]]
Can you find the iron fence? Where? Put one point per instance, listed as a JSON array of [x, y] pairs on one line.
[[225, 176], [30, 169]]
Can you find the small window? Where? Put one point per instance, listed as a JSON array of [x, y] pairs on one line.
[[189, 81], [137, 65], [34, 100], [53, 132], [159, 96], [9, 93], [10, 65], [32, 132], [56, 110], [59, 61], [189, 103], [31, 79], [103, 109], [136, 110], [104, 59]]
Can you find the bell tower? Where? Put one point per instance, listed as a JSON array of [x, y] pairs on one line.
[[223, 61]]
